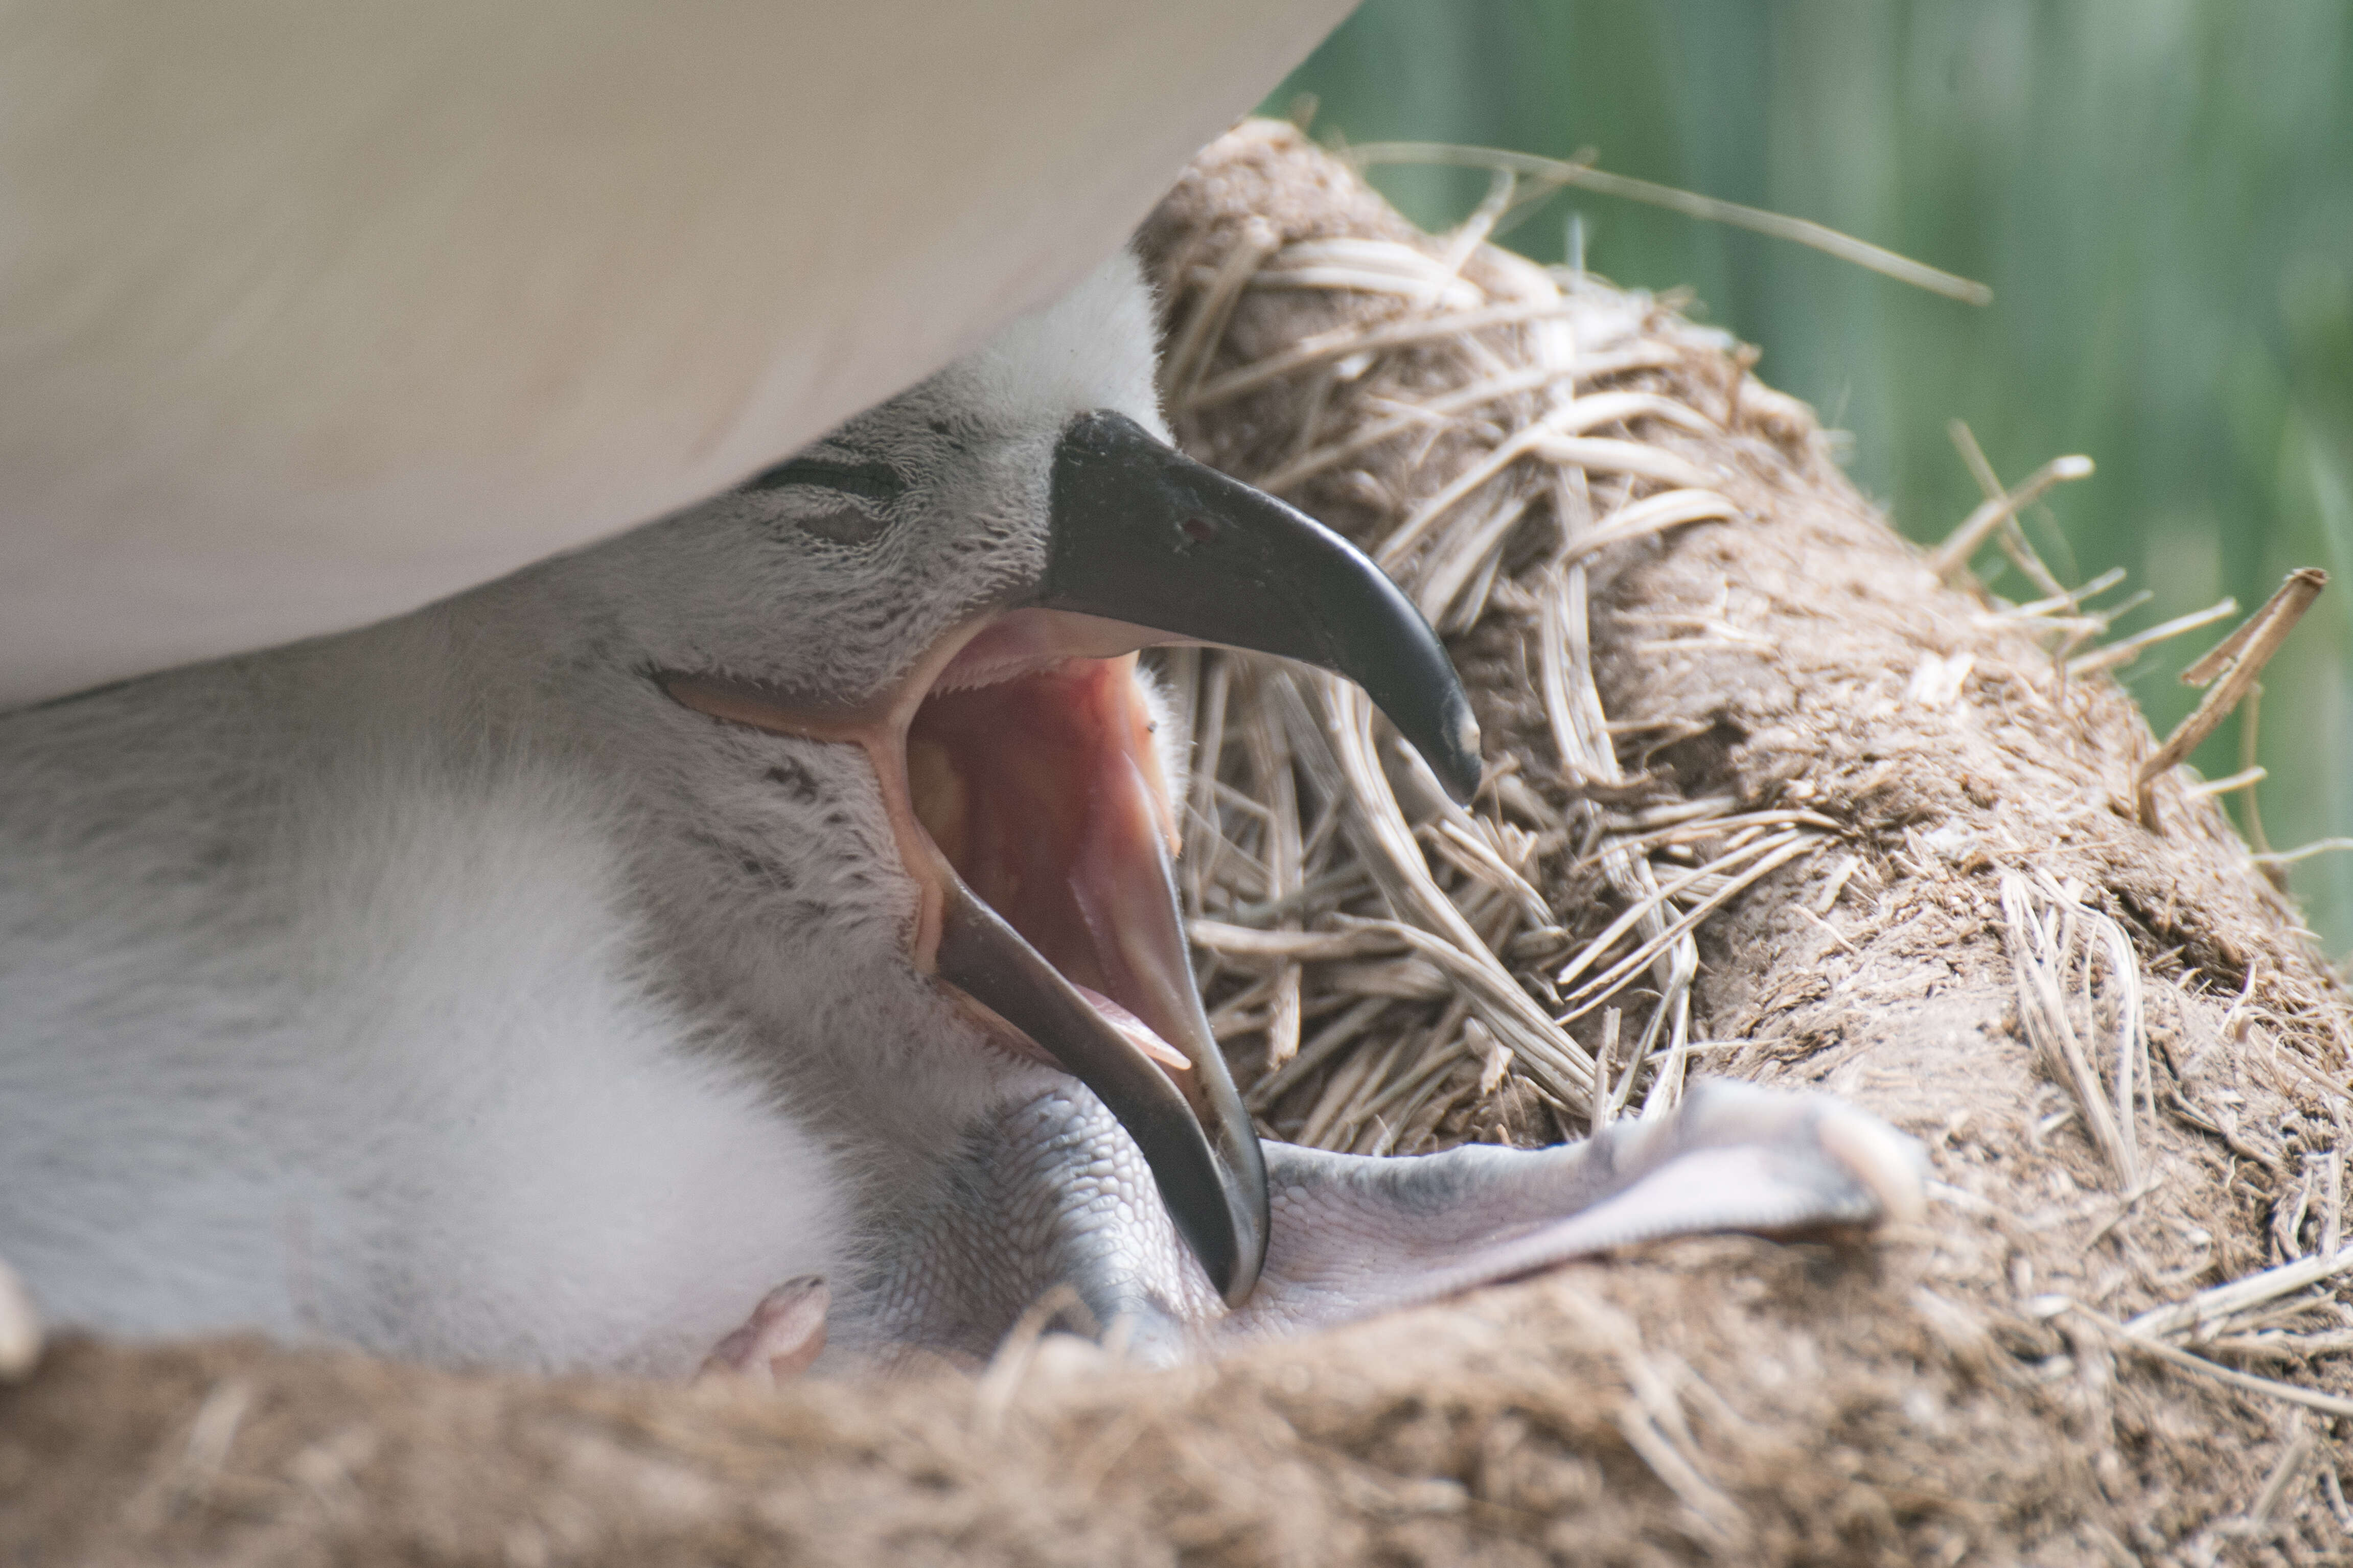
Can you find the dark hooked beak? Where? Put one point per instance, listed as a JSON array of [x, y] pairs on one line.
[[1144, 535]]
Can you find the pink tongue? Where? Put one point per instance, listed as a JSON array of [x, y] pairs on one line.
[[1137, 1031]]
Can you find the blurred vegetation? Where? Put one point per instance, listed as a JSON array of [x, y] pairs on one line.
[[2160, 193]]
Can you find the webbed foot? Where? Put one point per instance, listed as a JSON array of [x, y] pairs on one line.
[[1353, 1236], [1054, 1192]]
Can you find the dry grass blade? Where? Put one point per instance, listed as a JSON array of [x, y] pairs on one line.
[[1460, 559], [1797, 230], [2231, 784], [1287, 946], [1670, 936], [1204, 841], [1717, 824], [1461, 844], [2285, 1474], [2231, 668], [2049, 936], [2271, 1388], [1360, 340], [2210, 1307], [1181, 366], [1580, 736], [2011, 537], [2124, 650], [1328, 1042], [1418, 416], [2303, 851], [1388, 844], [2251, 645], [1269, 756], [1965, 541], [1649, 911], [1400, 546], [2064, 602], [1498, 997], [1671, 508], [1607, 454]]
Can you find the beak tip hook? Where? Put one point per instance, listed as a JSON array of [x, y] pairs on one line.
[[1466, 767]]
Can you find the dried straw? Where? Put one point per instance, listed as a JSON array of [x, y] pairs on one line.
[[1547, 901]]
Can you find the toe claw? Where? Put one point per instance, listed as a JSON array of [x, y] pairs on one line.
[[20, 1328], [783, 1336], [1881, 1158]]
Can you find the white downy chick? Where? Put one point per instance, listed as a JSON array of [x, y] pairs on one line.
[[539, 978]]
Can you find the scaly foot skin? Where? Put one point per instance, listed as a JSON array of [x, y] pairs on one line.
[[1054, 1192], [777, 1343]]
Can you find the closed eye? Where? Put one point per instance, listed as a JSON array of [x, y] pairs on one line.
[[840, 502], [876, 482]]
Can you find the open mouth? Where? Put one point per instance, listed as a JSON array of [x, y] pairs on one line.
[[1043, 791], [1018, 765], [1019, 768]]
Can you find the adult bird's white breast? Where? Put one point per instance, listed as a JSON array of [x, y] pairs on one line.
[[311, 313]]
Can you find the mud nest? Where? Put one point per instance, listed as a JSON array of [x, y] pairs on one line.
[[1771, 795]]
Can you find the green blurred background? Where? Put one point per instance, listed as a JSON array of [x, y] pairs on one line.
[[2160, 195]]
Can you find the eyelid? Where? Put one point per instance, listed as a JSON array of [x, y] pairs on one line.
[[876, 482]]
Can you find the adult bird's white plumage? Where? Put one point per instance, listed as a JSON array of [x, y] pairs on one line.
[[543, 976], [310, 314]]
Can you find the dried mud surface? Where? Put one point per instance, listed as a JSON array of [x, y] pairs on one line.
[[1927, 1397]]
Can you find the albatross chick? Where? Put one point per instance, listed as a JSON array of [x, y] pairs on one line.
[[751, 938]]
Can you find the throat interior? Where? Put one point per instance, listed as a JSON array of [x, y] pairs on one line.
[[1044, 793]]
